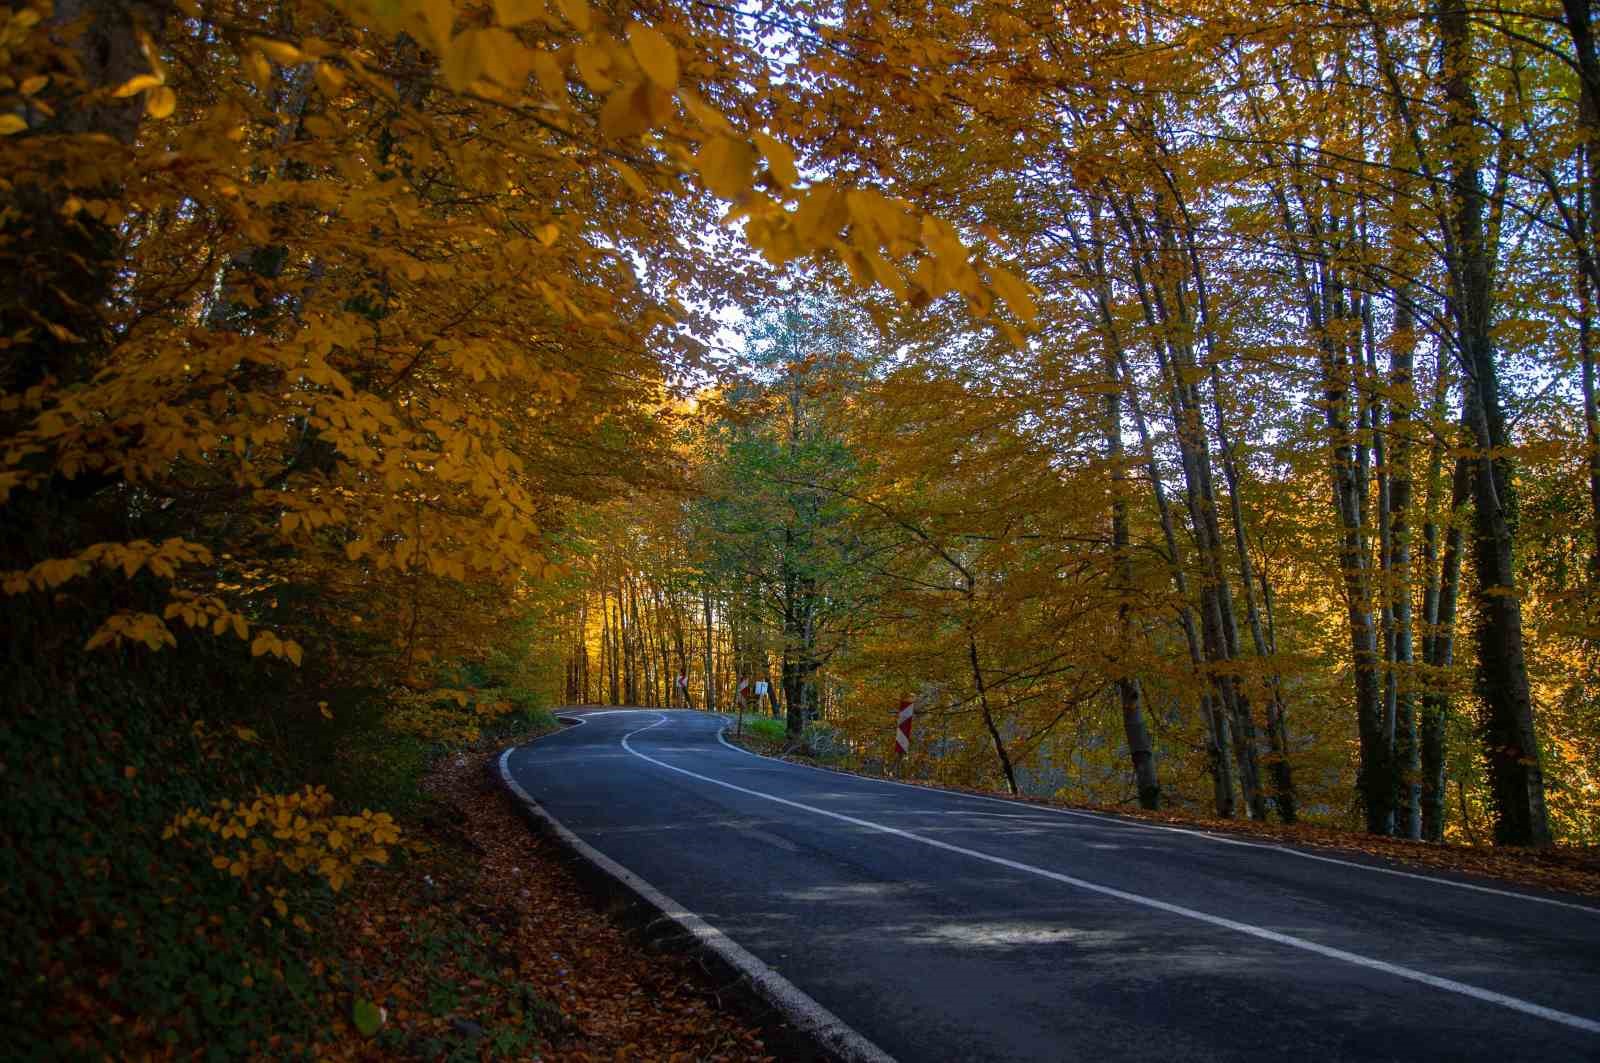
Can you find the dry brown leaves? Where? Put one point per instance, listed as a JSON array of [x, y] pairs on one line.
[[509, 942]]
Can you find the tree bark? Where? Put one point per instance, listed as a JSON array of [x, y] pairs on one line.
[[1510, 740], [988, 716], [1283, 796]]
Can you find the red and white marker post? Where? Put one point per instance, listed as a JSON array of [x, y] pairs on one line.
[[902, 731]]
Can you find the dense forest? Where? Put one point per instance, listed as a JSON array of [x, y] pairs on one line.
[[1185, 406]]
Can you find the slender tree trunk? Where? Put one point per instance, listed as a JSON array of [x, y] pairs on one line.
[[1130, 695], [1377, 773], [1140, 748], [1408, 753], [1219, 636], [711, 679], [988, 716], [1277, 725], [1591, 417], [1218, 731], [1438, 655], [1510, 739]]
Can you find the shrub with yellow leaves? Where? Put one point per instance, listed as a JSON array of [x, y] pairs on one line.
[[297, 833], [451, 716]]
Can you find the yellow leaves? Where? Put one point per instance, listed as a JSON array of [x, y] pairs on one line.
[[725, 166], [548, 234], [516, 12], [655, 54], [631, 178], [329, 79], [551, 80], [885, 273], [11, 124], [159, 100], [31, 86], [503, 57], [780, 160], [440, 18], [293, 832], [594, 66], [819, 215], [493, 53], [280, 52], [135, 85], [145, 628], [268, 643], [463, 62], [711, 119], [1014, 291], [577, 13], [626, 113], [259, 70]]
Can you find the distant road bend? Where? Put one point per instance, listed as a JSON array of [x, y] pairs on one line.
[[942, 926]]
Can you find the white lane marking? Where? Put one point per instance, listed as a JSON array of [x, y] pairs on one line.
[[1218, 839], [796, 1005], [1488, 996]]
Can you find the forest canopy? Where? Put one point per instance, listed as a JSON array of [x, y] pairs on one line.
[[1187, 406]]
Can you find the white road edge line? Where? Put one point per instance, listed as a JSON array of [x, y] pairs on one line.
[[1219, 839], [804, 1013], [1488, 996]]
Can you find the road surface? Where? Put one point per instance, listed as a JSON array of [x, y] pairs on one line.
[[943, 926]]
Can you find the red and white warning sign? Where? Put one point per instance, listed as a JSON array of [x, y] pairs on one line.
[[902, 733]]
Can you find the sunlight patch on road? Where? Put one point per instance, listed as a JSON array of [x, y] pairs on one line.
[[1010, 935]]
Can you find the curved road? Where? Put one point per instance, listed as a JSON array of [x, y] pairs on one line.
[[943, 926]]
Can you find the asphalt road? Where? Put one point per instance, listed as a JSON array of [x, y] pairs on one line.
[[942, 926]]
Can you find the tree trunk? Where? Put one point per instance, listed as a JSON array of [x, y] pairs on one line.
[[1510, 740], [988, 716], [1219, 636], [1130, 695], [1218, 732], [1438, 652], [711, 679], [1408, 754], [1277, 724], [1140, 748]]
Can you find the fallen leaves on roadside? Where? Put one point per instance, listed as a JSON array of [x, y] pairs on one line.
[[486, 947]]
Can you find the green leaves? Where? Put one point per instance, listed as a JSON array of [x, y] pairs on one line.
[[367, 1017]]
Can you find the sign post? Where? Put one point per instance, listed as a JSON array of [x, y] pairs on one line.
[[902, 731]]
